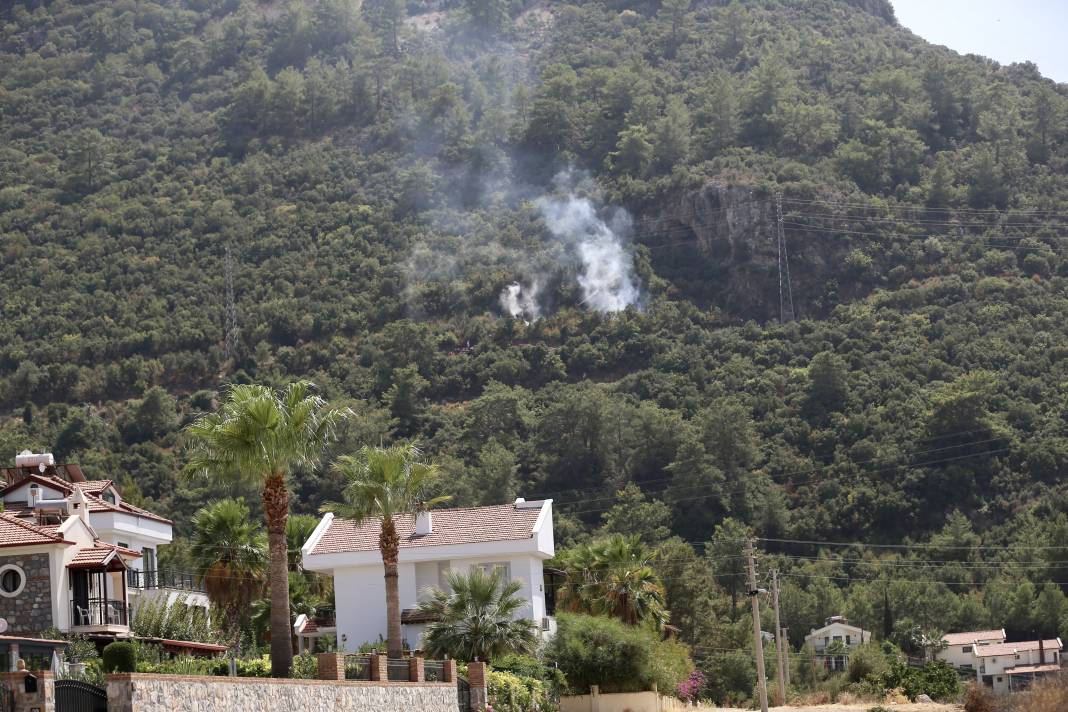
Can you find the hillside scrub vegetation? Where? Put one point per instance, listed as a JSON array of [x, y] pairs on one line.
[[541, 240]]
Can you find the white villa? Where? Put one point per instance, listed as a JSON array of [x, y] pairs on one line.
[[75, 555], [1014, 666], [514, 538], [837, 629], [959, 648]]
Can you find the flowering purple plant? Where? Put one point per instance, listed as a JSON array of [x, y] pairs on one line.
[[689, 688]]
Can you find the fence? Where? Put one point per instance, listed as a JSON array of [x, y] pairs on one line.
[[163, 578], [380, 668]]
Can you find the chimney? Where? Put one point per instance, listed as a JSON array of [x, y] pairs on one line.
[[424, 523], [80, 505]]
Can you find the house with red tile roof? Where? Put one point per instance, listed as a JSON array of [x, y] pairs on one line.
[[515, 539], [958, 648], [1007, 667], [74, 554]]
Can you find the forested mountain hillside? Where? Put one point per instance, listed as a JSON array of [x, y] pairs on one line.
[[542, 239]]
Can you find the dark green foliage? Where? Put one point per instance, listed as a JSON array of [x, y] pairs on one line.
[[119, 657], [936, 679], [594, 650], [370, 166]]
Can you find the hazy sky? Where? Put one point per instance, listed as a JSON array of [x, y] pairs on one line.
[[1004, 30]]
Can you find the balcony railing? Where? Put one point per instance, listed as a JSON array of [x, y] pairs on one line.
[[163, 578], [99, 612]]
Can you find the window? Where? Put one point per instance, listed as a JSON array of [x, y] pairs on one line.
[[502, 566], [966, 649], [108, 496], [848, 641], [12, 580], [123, 544]]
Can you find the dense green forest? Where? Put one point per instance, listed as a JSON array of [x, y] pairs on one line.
[[393, 181]]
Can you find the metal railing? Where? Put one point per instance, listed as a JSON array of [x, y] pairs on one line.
[[97, 611], [163, 578], [397, 670], [357, 667], [434, 670]]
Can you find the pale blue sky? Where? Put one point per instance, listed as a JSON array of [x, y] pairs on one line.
[[1004, 30]]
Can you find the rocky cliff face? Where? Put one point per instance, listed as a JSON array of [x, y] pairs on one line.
[[723, 249]]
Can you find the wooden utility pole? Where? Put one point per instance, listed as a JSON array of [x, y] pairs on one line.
[[778, 636], [758, 638], [786, 653]]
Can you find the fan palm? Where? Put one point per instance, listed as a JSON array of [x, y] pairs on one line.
[[613, 577], [384, 483], [475, 619], [231, 555], [259, 435]]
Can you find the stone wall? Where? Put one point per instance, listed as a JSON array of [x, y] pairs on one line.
[[179, 693], [30, 612]]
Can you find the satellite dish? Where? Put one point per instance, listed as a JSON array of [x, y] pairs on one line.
[[3, 625]]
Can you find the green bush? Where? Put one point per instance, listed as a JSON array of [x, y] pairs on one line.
[[305, 667], [530, 666], [512, 693], [592, 650], [120, 657], [935, 679], [182, 665], [256, 667]]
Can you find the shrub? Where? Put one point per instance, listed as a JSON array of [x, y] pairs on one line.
[[594, 650], [865, 660], [512, 693], [935, 679], [256, 667], [120, 657], [305, 667], [978, 699]]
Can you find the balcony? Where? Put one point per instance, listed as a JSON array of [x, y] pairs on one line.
[[100, 615], [163, 578]]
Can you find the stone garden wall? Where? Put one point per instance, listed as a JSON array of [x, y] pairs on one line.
[[179, 693], [30, 611]]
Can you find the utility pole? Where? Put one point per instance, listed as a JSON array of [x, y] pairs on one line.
[[786, 653], [758, 639], [778, 636]]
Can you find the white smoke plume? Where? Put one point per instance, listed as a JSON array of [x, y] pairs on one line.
[[522, 301], [606, 272]]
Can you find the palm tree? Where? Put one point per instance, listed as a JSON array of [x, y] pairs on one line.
[[385, 483], [613, 577], [475, 619], [259, 435], [231, 554]]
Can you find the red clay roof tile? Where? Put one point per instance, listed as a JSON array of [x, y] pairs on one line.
[[467, 525]]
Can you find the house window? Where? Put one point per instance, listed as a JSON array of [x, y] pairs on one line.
[[12, 580], [122, 544], [848, 641], [109, 497], [504, 567], [966, 649]]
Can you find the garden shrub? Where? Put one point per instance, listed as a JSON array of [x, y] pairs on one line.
[[593, 650], [512, 693], [120, 657]]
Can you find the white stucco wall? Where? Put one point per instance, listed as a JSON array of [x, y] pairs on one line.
[[360, 596]]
